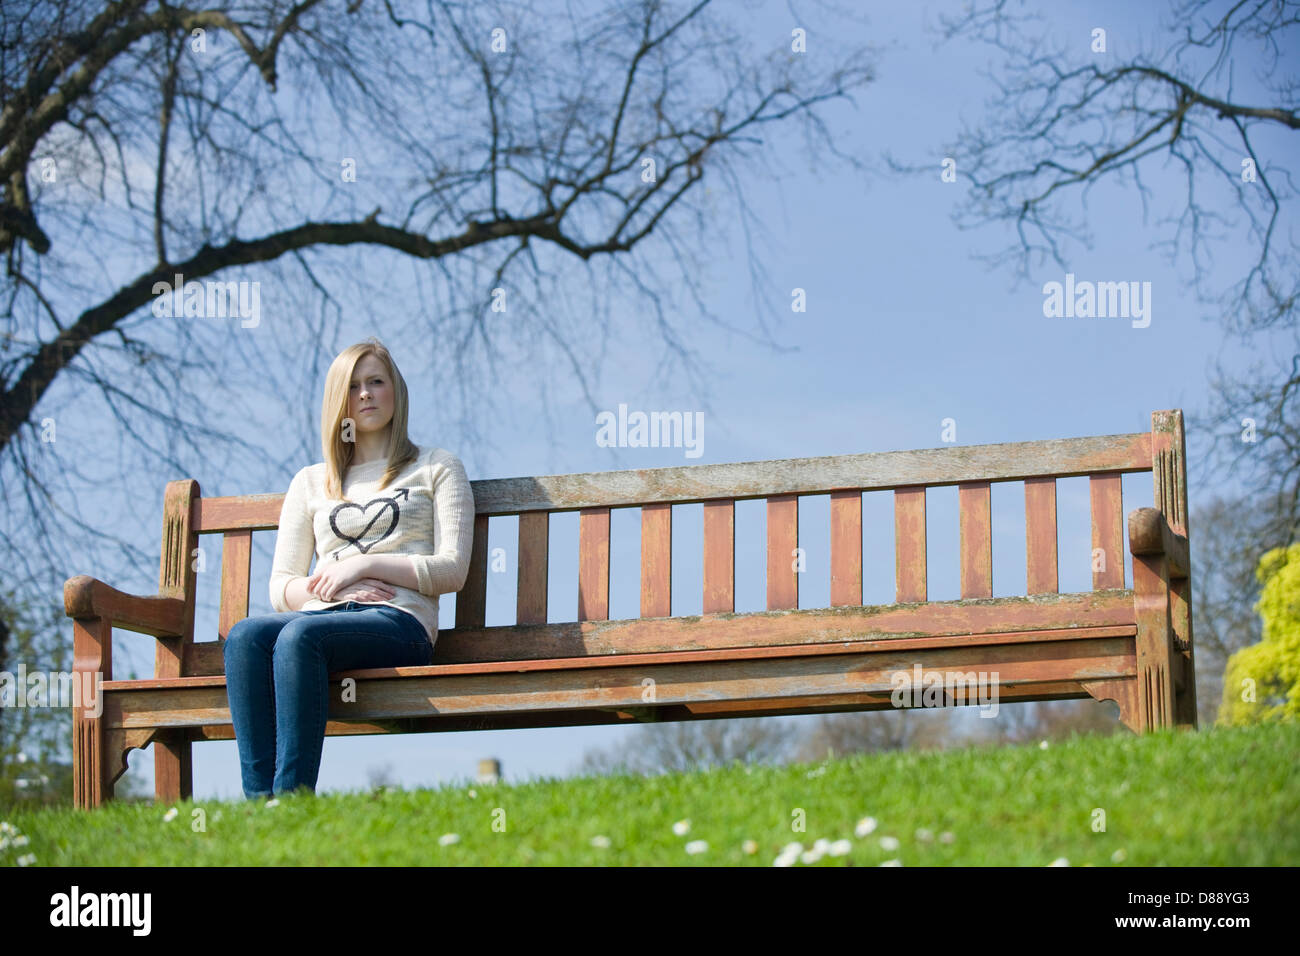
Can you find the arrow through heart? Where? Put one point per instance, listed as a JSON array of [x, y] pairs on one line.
[[361, 525]]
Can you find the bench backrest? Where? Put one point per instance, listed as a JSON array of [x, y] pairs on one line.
[[1103, 459]]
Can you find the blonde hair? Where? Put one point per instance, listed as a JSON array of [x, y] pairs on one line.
[[338, 453]]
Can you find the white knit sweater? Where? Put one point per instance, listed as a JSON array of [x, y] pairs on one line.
[[426, 512]]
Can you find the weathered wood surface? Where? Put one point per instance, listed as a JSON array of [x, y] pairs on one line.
[[846, 548], [719, 557], [85, 597], [1169, 453], [737, 481], [236, 552], [1107, 531], [657, 560], [593, 564], [975, 519], [751, 678], [761, 628], [471, 600], [694, 710], [782, 540], [1040, 536], [534, 562], [719, 655], [909, 545]]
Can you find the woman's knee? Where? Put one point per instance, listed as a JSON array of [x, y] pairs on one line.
[[299, 637], [248, 633]]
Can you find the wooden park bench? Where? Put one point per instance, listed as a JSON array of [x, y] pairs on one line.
[[1132, 646]]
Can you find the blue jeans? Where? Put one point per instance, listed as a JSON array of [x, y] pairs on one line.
[[277, 681]]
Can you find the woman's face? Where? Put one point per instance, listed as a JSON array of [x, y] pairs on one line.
[[370, 395]]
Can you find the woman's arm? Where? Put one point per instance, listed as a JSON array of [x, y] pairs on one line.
[[296, 594], [393, 568], [295, 543], [446, 570]]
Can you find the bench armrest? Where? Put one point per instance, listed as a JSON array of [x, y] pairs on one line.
[[1149, 533], [86, 597]]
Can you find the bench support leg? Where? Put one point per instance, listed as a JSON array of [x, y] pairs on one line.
[[1155, 642], [173, 779], [90, 787], [91, 658]]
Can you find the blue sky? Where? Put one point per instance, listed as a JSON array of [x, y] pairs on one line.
[[903, 329]]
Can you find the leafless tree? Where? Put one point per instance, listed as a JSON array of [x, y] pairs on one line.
[[875, 732], [1068, 116], [694, 745], [559, 155]]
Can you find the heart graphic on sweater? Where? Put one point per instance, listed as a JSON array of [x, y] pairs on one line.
[[355, 528]]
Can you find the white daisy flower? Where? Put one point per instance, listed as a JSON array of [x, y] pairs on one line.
[[888, 843], [865, 827], [682, 827], [696, 846], [447, 839]]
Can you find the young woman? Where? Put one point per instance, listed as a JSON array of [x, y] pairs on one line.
[[391, 525]]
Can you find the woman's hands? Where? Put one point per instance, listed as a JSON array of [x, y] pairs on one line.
[[346, 581], [367, 589]]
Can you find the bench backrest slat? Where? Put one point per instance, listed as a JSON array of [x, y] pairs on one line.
[[782, 540], [236, 552], [909, 544], [739, 481], [471, 600], [593, 564], [657, 560], [1107, 531], [534, 564], [1040, 536], [846, 548], [974, 507], [719, 570]]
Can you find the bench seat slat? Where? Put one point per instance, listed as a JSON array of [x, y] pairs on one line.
[[707, 654], [417, 691]]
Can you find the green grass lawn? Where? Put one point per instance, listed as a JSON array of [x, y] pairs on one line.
[[1218, 796]]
